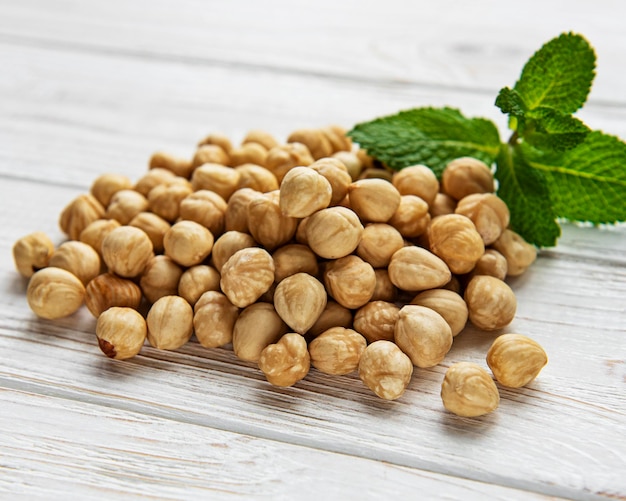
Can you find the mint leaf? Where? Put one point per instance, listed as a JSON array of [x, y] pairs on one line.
[[430, 136], [510, 101], [525, 192], [559, 75], [554, 130], [587, 183]]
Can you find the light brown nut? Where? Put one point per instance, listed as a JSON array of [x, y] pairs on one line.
[[78, 214], [301, 232], [246, 275], [516, 360], [519, 254], [490, 301], [455, 240], [366, 160], [336, 173], [465, 176], [217, 178], [294, 258], [334, 315], [443, 204], [229, 243], [125, 205], [188, 243], [249, 153], [488, 212], [379, 242], [299, 300], [337, 351], [197, 280], [350, 281], [413, 268], [337, 137], [126, 251], [256, 177], [121, 332], [54, 293], [170, 323], [80, 259], [281, 159], [32, 252], [285, 362], [384, 289], [261, 137], [257, 326], [236, 217], [303, 191], [315, 140], [448, 304], [268, 224], [423, 334], [214, 319], [210, 154], [377, 320], [106, 185], [94, 233], [153, 178], [377, 173], [179, 166], [205, 208], [417, 180], [491, 263], [411, 218], [374, 200], [334, 232], [154, 226], [160, 278], [218, 139], [351, 160], [468, 390], [108, 290], [164, 200], [385, 369]]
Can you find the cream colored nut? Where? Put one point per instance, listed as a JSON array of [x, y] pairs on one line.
[[385, 369], [442, 205], [376, 173], [121, 332], [334, 232], [300, 300], [94, 233], [465, 176], [54, 293], [413, 268], [315, 140], [337, 351], [210, 154], [188, 243], [164, 200], [107, 185], [379, 242], [301, 232], [125, 205], [303, 192], [411, 218], [453, 285], [490, 301], [214, 319], [218, 139], [516, 360], [256, 177], [267, 222], [32, 252], [423, 334], [468, 390], [350, 281], [352, 162], [261, 137], [170, 323], [108, 290], [153, 178], [285, 362], [377, 320], [152, 225], [374, 200], [366, 160], [337, 137], [160, 278], [334, 315], [217, 178], [455, 240], [236, 217], [181, 167], [491, 263], [205, 208], [126, 251], [78, 214], [246, 275], [281, 159], [229, 243], [417, 180], [488, 212], [249, 153], [78, 258], [336, 173], [448, 304], [257, 326], [519, 254], [294, 258], [384, 289], [197, 280]]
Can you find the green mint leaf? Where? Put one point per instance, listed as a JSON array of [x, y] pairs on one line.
[[525, 192], [587, 183], [510, 101], [429, 136], [559, 75], [554, 130]]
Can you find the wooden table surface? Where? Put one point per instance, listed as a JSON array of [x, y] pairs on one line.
[[93, 87]]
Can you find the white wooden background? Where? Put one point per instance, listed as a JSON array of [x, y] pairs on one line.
[[88, 87]]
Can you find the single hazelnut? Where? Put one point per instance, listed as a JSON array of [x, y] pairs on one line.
[[334, 315], [334, 232], [108, 290], [518, 253], [488, 212], [179, 166], [443, 204], [385, 370], [337, 351], [377, 173], [261, 137], [417, 180], [152, 225], [337, 137], [160, 278], [286, 362], [314, 139], [125, 205], [107, 185], [412, 218], [205, 208], [170, 323], [379, 242], [384, 289], [455, 240], [164, 200], [32, 252], [126, 251], [249, 153], [121, 332], [94, 233], [294, 258], [413, 268], [468, 390], [281, 159], [256, 177], [350, 281], [466, 175], [516, 360], [218, 139], [299, 300], [188, 243], [257, 326], [490, 301], [217, 178], [377, 320], [54, 293], [267, 222], [236, 217], [352, 162], [374, 200], [448, 304], [336, 173], [210, 154], [303, 191], [227, 244], [491, 263], [153, 178], [197, 280], [78, 214], [214, 319], [246, 275], [78, 258]]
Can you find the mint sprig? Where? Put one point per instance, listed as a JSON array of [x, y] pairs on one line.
[[553, 166]]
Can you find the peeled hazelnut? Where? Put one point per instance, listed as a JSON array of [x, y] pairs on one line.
[[229, 243], [179, 166], [337, 137], [337, 351], [160, 278], [352, 162], [54, 293], [246, 275], [153, 178], [468, 390], [188, 243], [126, 251], [214, 319], [106, 185], [32, 253], [77, 215], [384, 289], [285, 362], [413, 268], [336, 173], [197, 280], [108, 290], [491, 263], [443, 204], [303, 192], [256, 177], [417, 180], [210, 154], [170, 323], [334, 232], [411, 218], [455, 240], [350, 281], [217, 178], [519, 254], [249, 153], [377, 320], [236, 217], [490, 301], [423, 334], [205, 208], [448, 304], [281, 159], [152, 225], [125, 205], [267, 222], [516, 360], [299, 300], [261, 137], [218, 139], [374, 200], [379, 242], [78, 258], [121, 332], [465, 176], [94, 233], [334, 315], [315, 140], [257, 326], [376, 173], [164, 200], [385, 369], [488, 212], [294, 258]]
